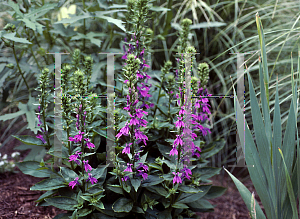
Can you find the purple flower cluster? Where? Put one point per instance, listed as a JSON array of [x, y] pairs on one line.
[[76, 157], [135, 112], [184, 141], [41, 136]]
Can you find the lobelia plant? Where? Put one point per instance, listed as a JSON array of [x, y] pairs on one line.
[[76, 186], [139, 186], [275, 174]]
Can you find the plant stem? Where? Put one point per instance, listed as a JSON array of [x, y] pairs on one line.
[[14, 51]]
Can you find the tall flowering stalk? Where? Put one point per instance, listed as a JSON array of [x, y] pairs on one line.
[[183, 145], [136, 80], [44, 79], [81, 142]]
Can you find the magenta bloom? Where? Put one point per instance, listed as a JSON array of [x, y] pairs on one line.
[[123, 131], [141, 165], [133, 121], [173, 151], [92, 179], [179, 123], [143, 174], [178, 141], [186, 171], [126, 150], [74, 183], [89, 144], [177, 178], [77, 138], [140, 113], [75, 157], [41, 137], [125, 178], [128, 169], [87, 166], [182, 111]]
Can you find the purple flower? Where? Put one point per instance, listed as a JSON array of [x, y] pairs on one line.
[[92, 179], [176, 178], [133, 121], [41, 137], [89, 144], [173, 151], [182, 111], [128, 169], [143, 174], [185, 172], [141, 165], [139, 135], [77, 138], [179, 123], [126, 149], [123, 131], [75, 157], [140, 113], [125, 178], [178, 141], [87, 166], [74, 183]]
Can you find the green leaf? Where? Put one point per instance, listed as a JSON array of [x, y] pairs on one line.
[[30, 168], [99, 171], [16, 8], [116, 188], [158, 189], [9, 116], [74, 18], [180, 205], [11, 36], [63, 216], [201, 205], [136, 183], [117, 22], [189, 189], [61, 202], [166, 214], [214, 192], [46, 195], [90, 36], [152, 180], [206, 172], [84, 212], [99, 205], [246, 195], [213, 148], [122, 205], [264, 54], [252, 212], [30, 140], [68, 174], [187, 198], [207, 25], [256, 170], [49, 184], [169, 164], [155, 166], [158, 9], [138, 210], [290, 189]]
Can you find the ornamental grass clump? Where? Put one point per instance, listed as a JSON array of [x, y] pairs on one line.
[[273, 164]]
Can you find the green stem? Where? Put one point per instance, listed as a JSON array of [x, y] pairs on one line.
[[14, 51]]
